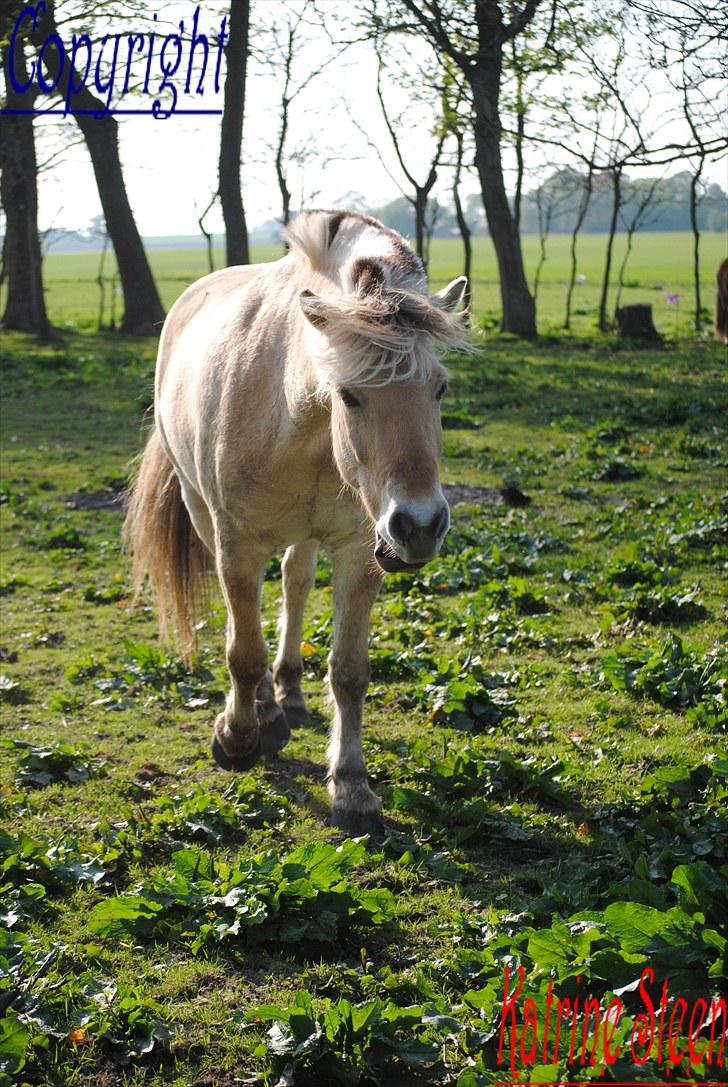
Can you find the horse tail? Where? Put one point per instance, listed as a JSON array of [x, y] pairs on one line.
[[164, 546]]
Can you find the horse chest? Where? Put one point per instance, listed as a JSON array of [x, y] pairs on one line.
[[309, 502]]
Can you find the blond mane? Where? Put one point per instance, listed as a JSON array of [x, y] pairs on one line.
[[378, 324]]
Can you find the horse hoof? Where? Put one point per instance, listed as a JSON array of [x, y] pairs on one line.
[[296, 716], [236, 762], [274, 735], [355, 824]]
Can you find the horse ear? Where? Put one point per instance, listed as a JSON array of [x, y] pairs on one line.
[[449, 297], [314, 308]]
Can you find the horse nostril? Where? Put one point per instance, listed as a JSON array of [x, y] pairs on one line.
[[438, 527], [401, 527]]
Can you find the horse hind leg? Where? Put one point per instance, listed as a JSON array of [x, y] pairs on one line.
[[251, 725], [299, 572], [355, 808]]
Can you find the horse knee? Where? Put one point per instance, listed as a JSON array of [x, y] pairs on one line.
[[348, 676]]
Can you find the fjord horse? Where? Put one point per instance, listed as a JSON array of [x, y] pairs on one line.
[[297, 406], [720, 326]]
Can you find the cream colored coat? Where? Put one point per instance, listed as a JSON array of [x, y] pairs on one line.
[[296, 407]]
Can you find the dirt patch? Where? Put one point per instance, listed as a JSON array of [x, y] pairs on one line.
[[151, 772], [456, 493], [223, 1079], [107, 498]]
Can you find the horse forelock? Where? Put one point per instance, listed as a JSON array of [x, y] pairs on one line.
[[380, 326], [332, 241]]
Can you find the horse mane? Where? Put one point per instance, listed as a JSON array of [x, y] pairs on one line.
[[379, 325]]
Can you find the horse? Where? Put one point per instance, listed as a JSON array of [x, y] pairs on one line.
[[720, 327], [297, 407]]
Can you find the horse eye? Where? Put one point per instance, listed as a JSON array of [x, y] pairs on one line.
[[349, 399], [441, 391]]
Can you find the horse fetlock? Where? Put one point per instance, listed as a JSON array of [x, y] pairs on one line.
[[274, 729], [264, 693], [288, 694], [354, 794], [233, 749], [287, 675], [355, 823], [295, 709]]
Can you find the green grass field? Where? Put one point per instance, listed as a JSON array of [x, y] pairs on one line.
[[546, 725], [658, 262]]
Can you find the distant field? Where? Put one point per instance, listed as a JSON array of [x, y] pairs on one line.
[[658, 262]]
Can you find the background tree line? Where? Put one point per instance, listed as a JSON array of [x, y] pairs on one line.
[[549, 109], [668, 207]]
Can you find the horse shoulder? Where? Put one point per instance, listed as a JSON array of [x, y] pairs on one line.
[[194, 307], [192, 361]]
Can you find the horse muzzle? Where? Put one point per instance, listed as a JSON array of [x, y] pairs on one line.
[[406, 545], [389, 561]]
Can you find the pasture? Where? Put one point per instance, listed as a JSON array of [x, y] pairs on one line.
[[659, 262], [546, 724]]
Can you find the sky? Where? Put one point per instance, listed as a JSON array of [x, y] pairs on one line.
[[170, 165], [337, 133]]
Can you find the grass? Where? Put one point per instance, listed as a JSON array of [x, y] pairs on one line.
[[546, 725], [659, 261]]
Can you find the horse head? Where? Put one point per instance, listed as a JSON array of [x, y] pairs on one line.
[[376, 359]]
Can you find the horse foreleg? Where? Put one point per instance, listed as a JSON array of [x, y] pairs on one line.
[[251, 725], [355, 808], [299, 572]]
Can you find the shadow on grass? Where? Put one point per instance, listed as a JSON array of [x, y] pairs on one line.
[[531, 391]]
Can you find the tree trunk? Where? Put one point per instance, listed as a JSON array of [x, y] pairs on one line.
[[544, 227], [231, 134], [283, 131], [430, 226], [694, 182], [519, 311], [616, 204], [635, 323], [143, 312], [207, 234], [100, 281], [623, 266], [3, 260], [420, 206], [583, 208], [520, 136], [643, 205], [465, 231], [280, 172], [25, 308]]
